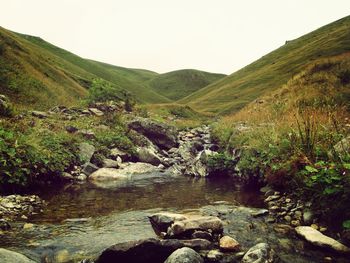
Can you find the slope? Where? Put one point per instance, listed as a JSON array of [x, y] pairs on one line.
[[181, 83], [35, 73], [272, 70], [129, 79]]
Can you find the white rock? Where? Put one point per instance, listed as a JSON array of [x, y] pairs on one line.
[[316, 238]]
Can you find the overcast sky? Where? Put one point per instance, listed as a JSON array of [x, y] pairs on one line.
[[163, 35]]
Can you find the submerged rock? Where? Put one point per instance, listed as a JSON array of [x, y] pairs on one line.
[[184, 255], [148, 250], [318, 239], [8, 256]]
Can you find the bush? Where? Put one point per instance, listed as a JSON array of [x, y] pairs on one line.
[[102, 91], [221, 164]]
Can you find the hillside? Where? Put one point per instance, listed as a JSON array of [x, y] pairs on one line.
[[178, 84], [35, 73], [272, 70]]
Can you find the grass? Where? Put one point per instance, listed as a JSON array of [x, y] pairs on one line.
[[270, 72], [178, 84], [289, 136]]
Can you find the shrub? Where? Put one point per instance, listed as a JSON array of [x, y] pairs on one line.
[[221, 164], [102, 91]]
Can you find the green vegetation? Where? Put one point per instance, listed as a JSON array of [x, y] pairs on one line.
[[289, 137], [178, 84], [272, 70], [34, 150]]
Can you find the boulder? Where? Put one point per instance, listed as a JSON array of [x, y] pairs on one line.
[[5, 106], [40, 114], [88, 134], [8, 256], [4, 225], [127, 171], [89, 168], [260, 253], [196, 169], [227, 243], [184, 255], [205, 223], [109, 163], [342, 148], [161, 221], [86, 151], [148, 250], [116, 152], [161, 134], [96, 112], [316, 238], [148, 155]]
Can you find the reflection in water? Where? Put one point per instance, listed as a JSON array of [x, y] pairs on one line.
[[81, 220]]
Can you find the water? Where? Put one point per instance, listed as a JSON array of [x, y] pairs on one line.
[[81, 220]]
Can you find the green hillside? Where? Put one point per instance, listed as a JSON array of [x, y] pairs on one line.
[[271, 71], [35, 73], [181, 83]]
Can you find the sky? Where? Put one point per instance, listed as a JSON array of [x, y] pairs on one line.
[[163, 35]]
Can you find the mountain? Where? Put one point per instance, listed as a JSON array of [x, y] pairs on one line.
[[178, 84], [35, 73], [272, 70]]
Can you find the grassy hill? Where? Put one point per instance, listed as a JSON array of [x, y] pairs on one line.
[[35, 73], [272, 70], [181, 83]]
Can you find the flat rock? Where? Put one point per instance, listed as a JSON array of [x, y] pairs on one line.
[[86, 151], [40, 114], [316, 238], [161, 221], [205, 223], [96, 112], [123, 173], [8, 256]]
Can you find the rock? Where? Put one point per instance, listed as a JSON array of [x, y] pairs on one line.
[[86, 151], [28, 226], [89, 168], [128, 171], [308, 217], [88, 134], [5, 106], [227, 243], [67, 176], [115, 153], [109, 163], [205, 154], [161, 221], [214, 147], [148, 155], [260, 253], [40, 114], [8, 256], [71, 129], [342, 148], [318, 239], [205, 223], [184, 255], [148, 250], [196, 169], [215, 255], [283, 229], [162, 135], [202, 235], [4, 225], [96, 112], [81, 177], [261, 212]]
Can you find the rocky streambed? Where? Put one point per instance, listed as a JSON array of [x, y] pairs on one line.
[[144, 209]]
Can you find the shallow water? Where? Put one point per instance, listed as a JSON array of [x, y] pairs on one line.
[[81, 220]]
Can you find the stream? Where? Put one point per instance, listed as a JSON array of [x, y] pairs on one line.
[[81, 220]]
